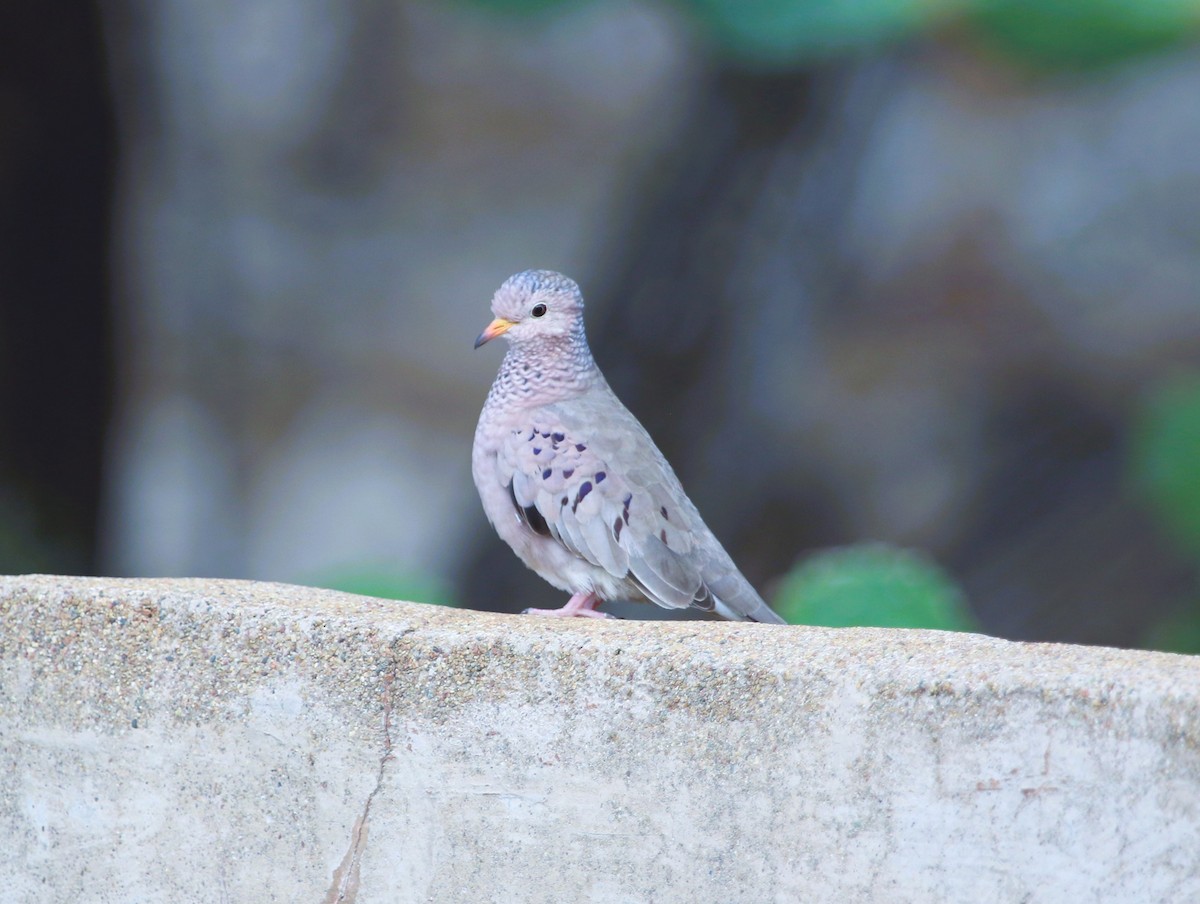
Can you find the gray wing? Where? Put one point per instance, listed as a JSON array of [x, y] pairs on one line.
[[589, 476]]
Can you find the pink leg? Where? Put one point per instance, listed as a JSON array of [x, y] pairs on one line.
[[581, 605]]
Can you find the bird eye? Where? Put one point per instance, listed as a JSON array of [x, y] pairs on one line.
[[538, 310]]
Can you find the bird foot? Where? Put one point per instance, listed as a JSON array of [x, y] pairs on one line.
[[581, 605]]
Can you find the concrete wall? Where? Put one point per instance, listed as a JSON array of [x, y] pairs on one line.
[[186, 740]]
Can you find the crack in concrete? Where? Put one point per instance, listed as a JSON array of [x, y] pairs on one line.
[[344, 887]]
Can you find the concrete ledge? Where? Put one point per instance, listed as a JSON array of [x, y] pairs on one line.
[[223, 741]]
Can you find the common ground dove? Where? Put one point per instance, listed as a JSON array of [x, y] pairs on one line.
[[574, 484]]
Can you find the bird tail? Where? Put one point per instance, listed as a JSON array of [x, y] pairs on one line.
[[734, 598]]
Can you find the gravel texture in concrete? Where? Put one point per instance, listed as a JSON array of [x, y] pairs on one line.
[[191, 740]]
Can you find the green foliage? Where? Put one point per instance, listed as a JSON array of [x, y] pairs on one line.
[[875, 585], [388, 585], [1045, 34], [781, 32], [1178, 633], [1165, 459], [1041, 33], [1084, 34], [1164, 466]]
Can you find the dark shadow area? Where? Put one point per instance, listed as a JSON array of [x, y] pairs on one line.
[[57, 165]]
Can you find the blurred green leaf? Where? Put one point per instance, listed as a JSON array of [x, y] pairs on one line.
[[1053, 34], [388, 585], [874, 585], [783, 32], [1165, 459], [1178, 633], [1084, 34]]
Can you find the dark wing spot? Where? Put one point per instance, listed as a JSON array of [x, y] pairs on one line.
[[584, 489], [625, 512], [617, 525], [565, 500], [546, 474], [537, 450], [530, 515], [536, 522], [580, 447], [559, 437], [600, 475], [662, 535], [545, 436], [663, 509], [567, 472]]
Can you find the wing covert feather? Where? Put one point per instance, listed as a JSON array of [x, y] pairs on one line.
[[609, 497]]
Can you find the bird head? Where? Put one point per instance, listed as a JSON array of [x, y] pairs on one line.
[[535, 304]]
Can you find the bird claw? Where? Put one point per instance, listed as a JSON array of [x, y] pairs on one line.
[[566, 612], [581, 605]]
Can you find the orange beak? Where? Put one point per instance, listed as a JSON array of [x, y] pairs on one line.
[[497, 327]]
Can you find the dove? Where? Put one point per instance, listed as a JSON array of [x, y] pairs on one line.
[[571, 480]]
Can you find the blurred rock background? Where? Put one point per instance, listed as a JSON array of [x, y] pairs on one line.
[[926, 274]]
